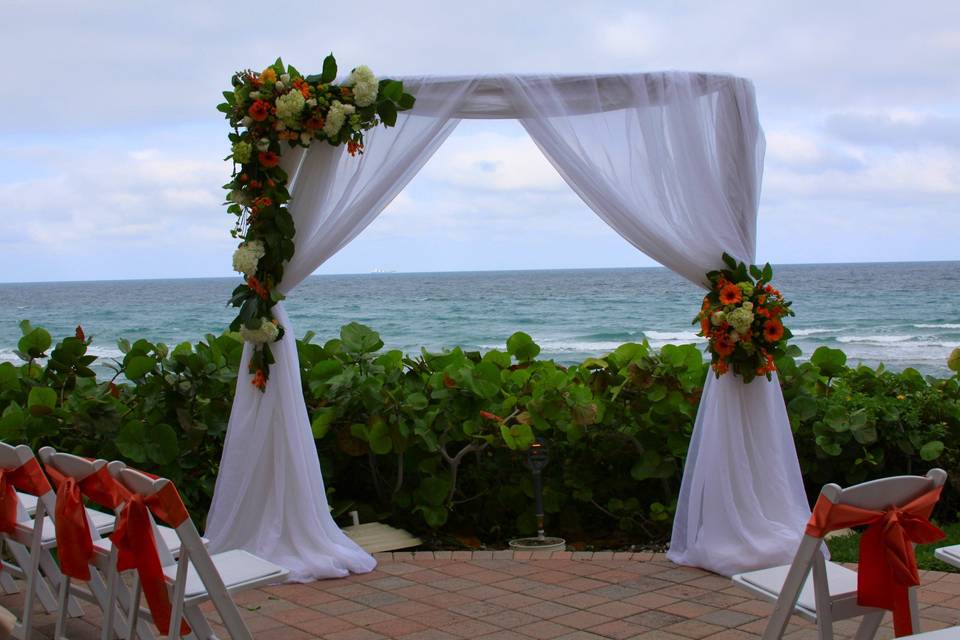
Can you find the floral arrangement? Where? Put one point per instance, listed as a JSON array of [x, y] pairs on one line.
[[268, 110], [742, 319]]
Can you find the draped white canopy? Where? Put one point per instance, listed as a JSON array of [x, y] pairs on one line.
[[673, 163]]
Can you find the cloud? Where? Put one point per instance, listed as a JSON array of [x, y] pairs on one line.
[[493, 161], [895, 128]]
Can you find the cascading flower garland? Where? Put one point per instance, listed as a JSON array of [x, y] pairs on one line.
[[742, 319], [266, 109]]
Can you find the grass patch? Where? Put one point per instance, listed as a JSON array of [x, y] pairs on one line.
[[847, 549]]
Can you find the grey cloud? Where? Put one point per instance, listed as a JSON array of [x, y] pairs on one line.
[[880, 129]]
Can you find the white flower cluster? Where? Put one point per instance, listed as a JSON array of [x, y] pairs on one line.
[[364, 84], [266, 332], [247, 256], [289, 106], [740, 319], [336, 116]]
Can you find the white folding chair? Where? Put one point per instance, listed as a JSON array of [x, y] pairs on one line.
[[105, 556], [950, 633], [830, 593], [30, 545], [198, 576], [950, 555], [103, 522]]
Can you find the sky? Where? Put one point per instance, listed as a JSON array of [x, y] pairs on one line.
[[111, 148]]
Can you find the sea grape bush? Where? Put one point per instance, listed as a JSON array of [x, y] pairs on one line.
[[435, 442]]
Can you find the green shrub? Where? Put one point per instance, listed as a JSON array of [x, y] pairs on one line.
[[436, 442]]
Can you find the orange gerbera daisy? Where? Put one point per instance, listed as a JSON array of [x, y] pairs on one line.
[[723, 345], [772, 330], [721, 367], [259, 110], [731, 294], [259, 380], [268, 159]]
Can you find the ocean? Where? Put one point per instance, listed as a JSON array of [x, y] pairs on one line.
[[901, 314]]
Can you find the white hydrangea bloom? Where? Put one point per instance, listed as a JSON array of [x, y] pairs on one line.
[[336, 116], [289, 106], [247, 256], [716, 319], [365, 86], [266, 332], [740, 319]]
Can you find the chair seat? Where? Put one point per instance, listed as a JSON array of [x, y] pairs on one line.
[[950, 555], [950, 633], [168, 535], [769, 582], [237, 568], [103, 522], [28, 501]]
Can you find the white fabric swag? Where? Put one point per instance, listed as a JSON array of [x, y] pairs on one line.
[[672, 162]]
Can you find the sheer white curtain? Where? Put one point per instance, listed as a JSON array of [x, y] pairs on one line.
[[270, 498], [677, 174], [671, 161]]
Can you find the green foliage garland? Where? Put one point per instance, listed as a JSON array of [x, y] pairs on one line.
[[417, 439], [267, 110]]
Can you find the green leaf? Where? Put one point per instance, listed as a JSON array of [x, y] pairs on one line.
[[162, 446], [435, 517], [139, 366], [803, 407], [379, 437], [322, 421], [417, 401], [131, 442], [931, 450], [522, 347], [35, 343], [406, 102], [360, 339], [392, 90], [329, 73], [388, 113], [433, 491], [41, 401], [831, 362], [8, 376]]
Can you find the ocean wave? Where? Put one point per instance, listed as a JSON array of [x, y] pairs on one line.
[[102, 353], [813, 331], [947, 325], [876, 339], [661, 336]]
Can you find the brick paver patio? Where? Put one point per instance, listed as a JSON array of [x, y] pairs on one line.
[[497, 595]]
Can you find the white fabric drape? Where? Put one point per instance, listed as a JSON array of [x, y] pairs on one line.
[[270, 498], [671, 161]]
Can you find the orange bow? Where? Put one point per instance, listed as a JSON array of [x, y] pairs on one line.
[[137, 547], [888, 567], [28, 478], [74, 541]]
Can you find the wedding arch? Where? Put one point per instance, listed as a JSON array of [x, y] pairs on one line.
[[673, 163]]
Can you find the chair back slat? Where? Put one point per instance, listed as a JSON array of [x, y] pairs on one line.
[[884, 493], [140, 483], [73, 467]]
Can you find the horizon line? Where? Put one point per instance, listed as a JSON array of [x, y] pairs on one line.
[[452, 271]]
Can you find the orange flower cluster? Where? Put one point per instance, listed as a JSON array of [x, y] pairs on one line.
[[258, 288], [741, 317]]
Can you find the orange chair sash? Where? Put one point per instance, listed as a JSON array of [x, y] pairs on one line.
[[135, 542], [888, 567], [74, 540], [28, 478]]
